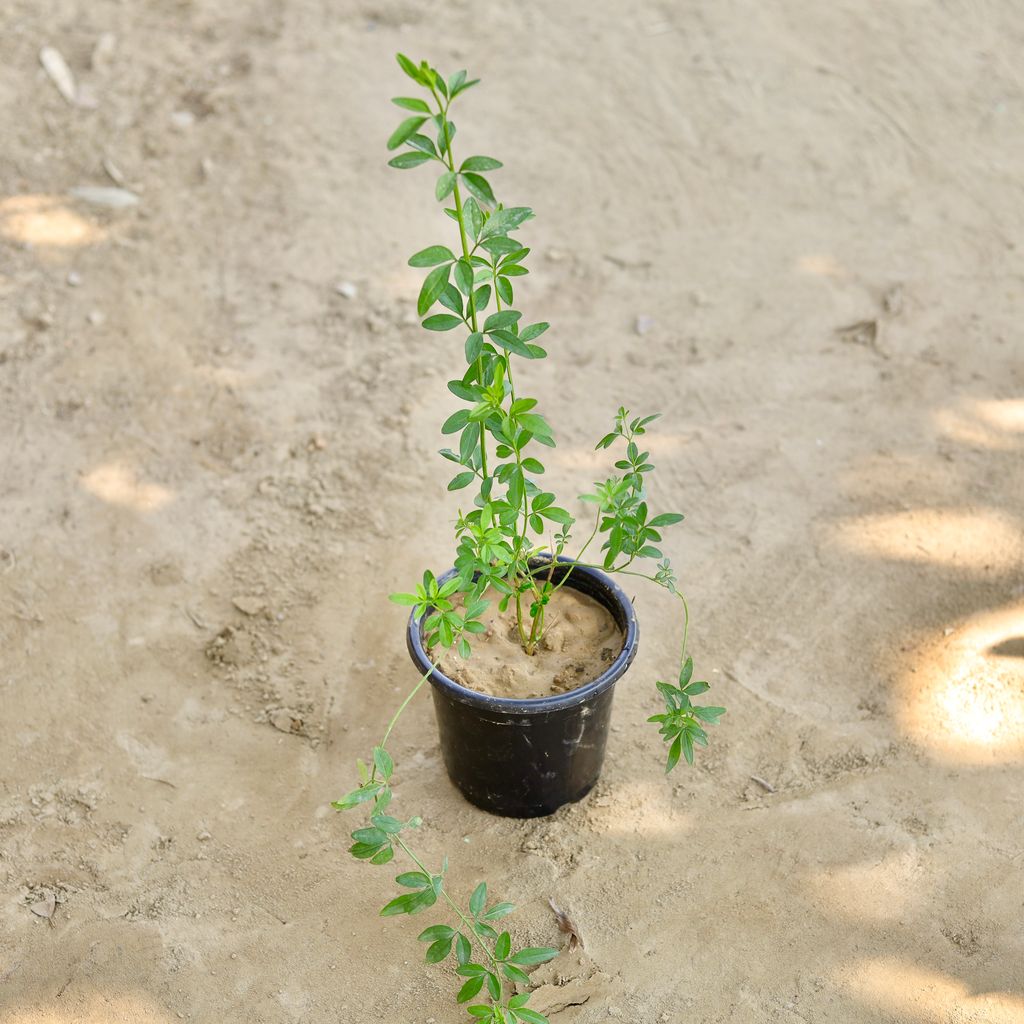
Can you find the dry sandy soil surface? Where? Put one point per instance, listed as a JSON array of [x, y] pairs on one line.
[[215, 466]]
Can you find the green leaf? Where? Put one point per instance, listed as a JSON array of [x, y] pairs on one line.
[[384, 856], [383, 762], [666, 519], [400, 904], [474, 346], [439, 950], [673, 754], [514, 270], [406, 161], [710, 715], [480, 188], [504, 289], [478, 899], [431, 256], [434, 284], [464, 277], [506, 318], [407, 599], [455, 422], [423, 144], [470, 989], [444, 186], [460, 481], [410, 69], [515, 974], [435, 932], [480, 163], [687, 748], [533, 331], [686, 672], [558, 515], [499, 910], [442, 322], [532, 1017], [501, 222], [533, 955], [536, 424], [503, 946], [416, 880], [357, 796], [409, 103], [463, 950], [408, 127]]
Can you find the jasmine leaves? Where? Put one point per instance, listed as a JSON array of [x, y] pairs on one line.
[[680, 725], [442, 624]]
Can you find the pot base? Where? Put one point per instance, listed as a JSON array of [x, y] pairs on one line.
[[526, 758]]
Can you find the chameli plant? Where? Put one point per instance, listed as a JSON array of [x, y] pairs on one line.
[[507, 539]]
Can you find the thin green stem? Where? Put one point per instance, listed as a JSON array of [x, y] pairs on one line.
[[461, 218], [466, 922]]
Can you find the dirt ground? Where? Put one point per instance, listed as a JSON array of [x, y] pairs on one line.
[[793, 228]]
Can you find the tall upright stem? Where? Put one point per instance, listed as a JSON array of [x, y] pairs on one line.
[[460, 216]]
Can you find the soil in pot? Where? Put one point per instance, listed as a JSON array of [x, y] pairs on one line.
[[581, 639]]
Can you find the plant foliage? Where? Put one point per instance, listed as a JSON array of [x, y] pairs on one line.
[[507, 533]]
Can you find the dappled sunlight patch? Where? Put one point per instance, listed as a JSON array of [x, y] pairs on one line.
[[639, 807], [872, 890], [994, 424], [45, 220], [1005, 414], [906, 992], [821, 264], [965, 696], [116, 484], [977, 540], [92, 1009]]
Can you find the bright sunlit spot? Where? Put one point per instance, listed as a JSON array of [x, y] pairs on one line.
[[873, 890], [115, 484], [966, 697], [92, 1009], [638, 808], [905, 992], [993, 424], [979, 540], [45, 221], [820, 265]]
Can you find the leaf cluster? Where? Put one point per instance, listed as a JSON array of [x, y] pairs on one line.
[[680, 724]]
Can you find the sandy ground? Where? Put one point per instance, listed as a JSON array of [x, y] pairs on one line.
[[215, 467]]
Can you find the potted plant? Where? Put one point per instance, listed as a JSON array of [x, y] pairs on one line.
[[521, 642]]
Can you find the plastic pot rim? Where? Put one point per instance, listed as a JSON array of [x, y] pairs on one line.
[[536, 705]]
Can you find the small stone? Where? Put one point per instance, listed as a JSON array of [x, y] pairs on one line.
[[643, 324], [96, 317], [45, 907], [74, 278], [248, 604], [204, 836], [286, 720], [98, 195], [183, 120], [99, 60], [346, 289]]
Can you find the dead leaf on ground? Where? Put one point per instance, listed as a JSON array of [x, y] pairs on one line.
[[568, 926], [863, 332], [56, 68], [45, 907]]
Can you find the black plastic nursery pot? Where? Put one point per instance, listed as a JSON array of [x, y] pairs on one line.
[[526, 758]]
